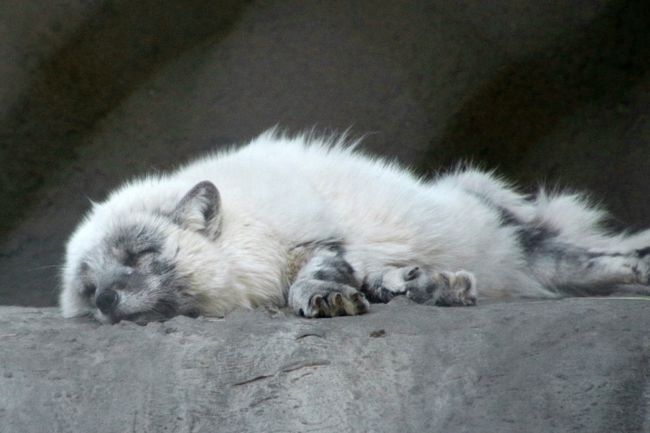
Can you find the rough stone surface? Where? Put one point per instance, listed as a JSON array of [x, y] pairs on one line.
[[576, 365]]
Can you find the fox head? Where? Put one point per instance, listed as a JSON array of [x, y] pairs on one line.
[[138, 255]]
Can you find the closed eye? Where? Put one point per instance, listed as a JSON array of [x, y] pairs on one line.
[[150, 250], [132, 258]]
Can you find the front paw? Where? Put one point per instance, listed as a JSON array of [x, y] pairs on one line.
[[395, 282], [317, 298], [455, 289]]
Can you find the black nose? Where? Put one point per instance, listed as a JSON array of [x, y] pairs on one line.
[[106, 300]]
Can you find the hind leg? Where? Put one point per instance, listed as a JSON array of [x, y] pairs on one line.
[[567, 266], [439, 288]]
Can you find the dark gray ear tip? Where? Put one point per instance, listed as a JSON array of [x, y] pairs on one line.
[[205, 187], [207, 190]]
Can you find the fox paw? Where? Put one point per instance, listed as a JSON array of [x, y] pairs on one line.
[[456, 289], [442, 288], [394, 282], [316, 298]]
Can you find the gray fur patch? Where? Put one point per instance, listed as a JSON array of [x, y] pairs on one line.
[[129, 242], [326, 262], [335, 269], [533, 237], [130, 262], [506, 217], [643, 252], [375, 291], [325, 286]]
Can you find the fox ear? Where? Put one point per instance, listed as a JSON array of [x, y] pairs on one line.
[[200, 210]]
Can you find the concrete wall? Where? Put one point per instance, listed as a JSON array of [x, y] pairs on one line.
[[95, 92]]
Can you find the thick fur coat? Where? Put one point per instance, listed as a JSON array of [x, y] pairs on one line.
[[314, 223]]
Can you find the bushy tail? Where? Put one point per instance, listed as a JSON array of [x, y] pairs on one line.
[[563, 237]]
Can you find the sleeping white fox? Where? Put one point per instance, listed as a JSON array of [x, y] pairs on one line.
[[316, 225]]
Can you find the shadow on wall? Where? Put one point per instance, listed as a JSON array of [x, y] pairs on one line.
[[498, 125], [110, 55]]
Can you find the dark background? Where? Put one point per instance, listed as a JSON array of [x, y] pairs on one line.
[[92, 92]]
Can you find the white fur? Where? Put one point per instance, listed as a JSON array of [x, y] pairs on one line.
[[279, 191]]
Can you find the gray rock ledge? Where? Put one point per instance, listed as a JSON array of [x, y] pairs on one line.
[[551, 366]]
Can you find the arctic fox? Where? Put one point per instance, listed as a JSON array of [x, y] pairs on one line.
[[315, 224]]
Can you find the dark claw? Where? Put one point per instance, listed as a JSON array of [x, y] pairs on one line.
[[412, 274], [336, 304]]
